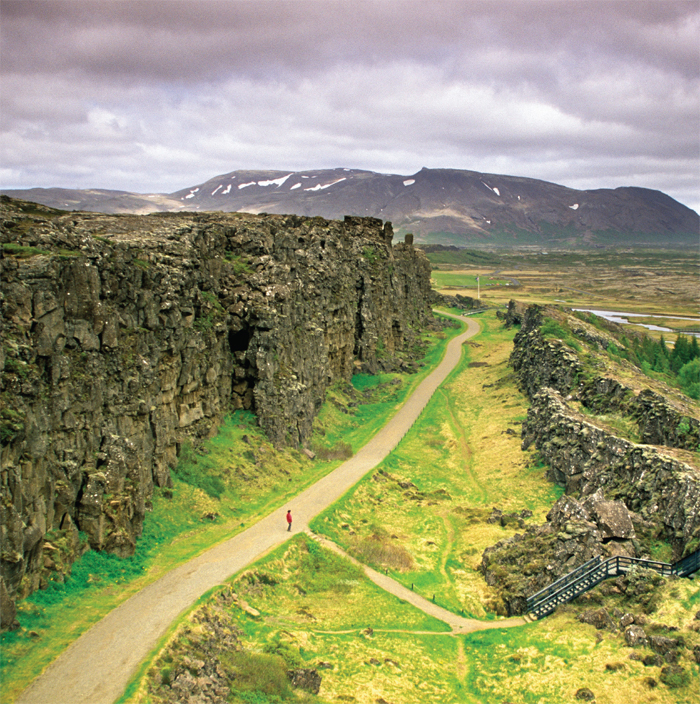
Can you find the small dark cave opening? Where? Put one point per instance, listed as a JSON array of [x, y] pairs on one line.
[[238, 340], [244, 378]]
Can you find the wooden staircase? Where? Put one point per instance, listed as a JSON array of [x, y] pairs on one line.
[[595, 571]]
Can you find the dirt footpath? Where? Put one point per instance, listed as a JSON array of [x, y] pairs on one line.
[[96, 668], [458, 624]]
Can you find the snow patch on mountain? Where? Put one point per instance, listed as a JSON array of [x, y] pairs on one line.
[[274, 182], [320, 187]]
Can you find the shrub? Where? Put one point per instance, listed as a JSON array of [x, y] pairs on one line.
[[340, 451], [689, 378], [378, 549], [260, 672], [189, 472], [674, 676]]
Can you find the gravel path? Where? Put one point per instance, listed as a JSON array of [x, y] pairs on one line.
[[96, 668]]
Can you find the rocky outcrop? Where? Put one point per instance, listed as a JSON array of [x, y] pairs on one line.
[[628, 493], [574, 533], [206, 662], [124, 336], [540, 361], [583, 458], [193, 666]]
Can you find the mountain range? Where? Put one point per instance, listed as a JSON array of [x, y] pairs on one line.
[[445, 206]]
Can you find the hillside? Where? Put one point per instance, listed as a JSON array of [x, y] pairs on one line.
[[449, 206]]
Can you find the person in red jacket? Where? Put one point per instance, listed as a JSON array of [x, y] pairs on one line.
[[289, 520]]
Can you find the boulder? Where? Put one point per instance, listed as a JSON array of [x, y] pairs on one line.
[[626, 620], [307, 679], [635, 636], [612, 517], [599, 618], [666, 647]]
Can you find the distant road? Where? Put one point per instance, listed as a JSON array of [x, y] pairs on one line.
[[513, 281], [96, 668]]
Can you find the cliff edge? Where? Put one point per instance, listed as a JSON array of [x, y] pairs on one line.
[[123, 336]]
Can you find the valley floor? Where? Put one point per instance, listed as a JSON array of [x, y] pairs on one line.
[[414, 504], [96, 668]]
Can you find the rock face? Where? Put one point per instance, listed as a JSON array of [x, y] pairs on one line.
[[627, 492], [584, 458], [123, 336], [541, 362]]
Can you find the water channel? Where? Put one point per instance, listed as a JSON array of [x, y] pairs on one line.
[[623, 318]]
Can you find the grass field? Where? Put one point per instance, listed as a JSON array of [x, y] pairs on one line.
[[646, 281], [456, 279]]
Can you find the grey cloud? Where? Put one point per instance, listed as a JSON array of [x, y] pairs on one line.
[[158, 95], [173, 40]]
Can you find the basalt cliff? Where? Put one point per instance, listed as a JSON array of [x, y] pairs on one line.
[[622, 446], [123, 336]]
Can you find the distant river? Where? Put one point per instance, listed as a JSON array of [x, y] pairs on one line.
[[623, 318]]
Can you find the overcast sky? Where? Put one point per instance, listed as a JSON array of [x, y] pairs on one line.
[[158, 95]]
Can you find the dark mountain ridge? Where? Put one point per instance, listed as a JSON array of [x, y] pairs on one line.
[[447, 206]]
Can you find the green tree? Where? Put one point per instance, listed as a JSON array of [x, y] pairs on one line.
[[681, 354], [689, 378]]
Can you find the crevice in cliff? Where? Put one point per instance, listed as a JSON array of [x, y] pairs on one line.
[[622, 495], [243, 374], [238, 340], [359, 322]]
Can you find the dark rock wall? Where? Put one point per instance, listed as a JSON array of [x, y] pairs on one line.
[[628, 493], [584, 458], [122, 336], [551, 363]]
